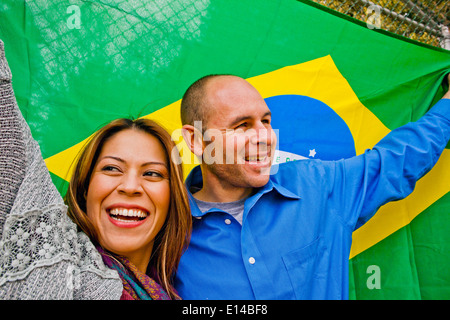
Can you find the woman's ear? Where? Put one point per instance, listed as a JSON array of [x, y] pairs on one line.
[[193, 138]]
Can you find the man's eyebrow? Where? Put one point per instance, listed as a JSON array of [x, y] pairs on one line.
[[239, 119], [142, 165]]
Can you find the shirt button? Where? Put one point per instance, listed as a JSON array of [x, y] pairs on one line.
[[251, 260], [227, 221]]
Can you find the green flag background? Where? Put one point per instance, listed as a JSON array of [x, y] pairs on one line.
[[79, 64]]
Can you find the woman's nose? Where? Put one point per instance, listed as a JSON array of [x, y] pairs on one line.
[[130, 185]]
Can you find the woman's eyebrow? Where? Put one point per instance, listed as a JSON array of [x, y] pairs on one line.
[[113, 157], [142, 165], [154, 162]]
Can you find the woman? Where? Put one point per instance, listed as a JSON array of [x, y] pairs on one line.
[[127, 195], [129, 214]]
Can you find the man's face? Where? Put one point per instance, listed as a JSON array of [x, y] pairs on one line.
[[239, 142]]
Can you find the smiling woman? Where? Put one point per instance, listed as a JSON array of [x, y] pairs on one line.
[[127, 194], [122, 229]]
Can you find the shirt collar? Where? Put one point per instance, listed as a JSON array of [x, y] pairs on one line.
[[282, 190], [195, 179]]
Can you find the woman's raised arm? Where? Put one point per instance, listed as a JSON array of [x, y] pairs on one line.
[[42, 256]]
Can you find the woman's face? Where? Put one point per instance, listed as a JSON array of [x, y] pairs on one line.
[[129, 194]]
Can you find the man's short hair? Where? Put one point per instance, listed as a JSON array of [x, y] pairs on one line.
[[194, 101]]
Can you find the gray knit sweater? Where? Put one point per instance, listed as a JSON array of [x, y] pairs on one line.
[[42, 256]]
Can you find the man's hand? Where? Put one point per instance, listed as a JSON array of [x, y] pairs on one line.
[[447, 95]]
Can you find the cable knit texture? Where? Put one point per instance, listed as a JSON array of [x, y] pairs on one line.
[[42, 256]]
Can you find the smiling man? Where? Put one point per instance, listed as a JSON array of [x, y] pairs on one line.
[[236, 131], [287, 234]]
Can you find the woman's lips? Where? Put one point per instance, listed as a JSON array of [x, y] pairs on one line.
[[127, 217]]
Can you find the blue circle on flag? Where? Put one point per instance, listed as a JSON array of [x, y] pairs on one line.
[[309, 128]]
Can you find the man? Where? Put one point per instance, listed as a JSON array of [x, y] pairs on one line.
[[285, 235]]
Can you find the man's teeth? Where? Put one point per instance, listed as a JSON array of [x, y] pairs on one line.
[[128, 212], [255, 158]]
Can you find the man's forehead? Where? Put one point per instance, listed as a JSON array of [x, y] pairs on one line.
[[227, 97], [226, 91], [226, 84]]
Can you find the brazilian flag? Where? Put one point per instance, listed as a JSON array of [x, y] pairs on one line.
[[335, 85]]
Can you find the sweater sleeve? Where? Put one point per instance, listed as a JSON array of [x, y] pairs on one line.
[[42, 256]]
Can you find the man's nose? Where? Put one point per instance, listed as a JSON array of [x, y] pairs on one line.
[[261, 134]]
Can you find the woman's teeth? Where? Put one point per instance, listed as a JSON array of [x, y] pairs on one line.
[[123, 214]]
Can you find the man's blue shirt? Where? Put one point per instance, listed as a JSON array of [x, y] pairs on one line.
[[296, 234]]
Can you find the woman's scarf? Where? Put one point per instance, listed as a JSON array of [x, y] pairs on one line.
[[136, 284]]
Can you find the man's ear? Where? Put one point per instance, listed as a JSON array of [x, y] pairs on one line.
[[193, 138]]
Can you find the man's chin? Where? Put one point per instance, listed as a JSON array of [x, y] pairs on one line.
[[259, 181]]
